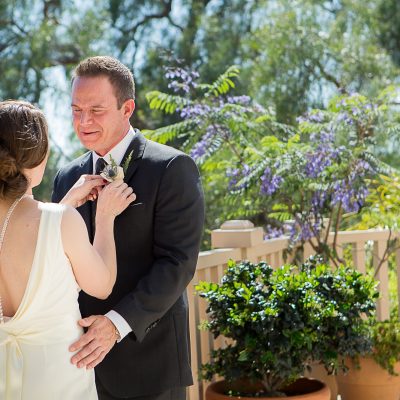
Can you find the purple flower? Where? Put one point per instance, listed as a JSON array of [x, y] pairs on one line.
[[181, 79], [195, 110], [258, 108], [272, 232], [307, 229], [362, 167], [316, 163], [315, 116], [237, 177], [234, 174], [270, 183], [345, 117], [318, 200], [368, 107], [352, 198], [305, 232], [244, 100], [323, 136], [200, 148]]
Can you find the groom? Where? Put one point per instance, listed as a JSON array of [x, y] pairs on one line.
[[138, 338]]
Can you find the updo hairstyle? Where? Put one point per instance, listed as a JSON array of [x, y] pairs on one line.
[[23, 145]]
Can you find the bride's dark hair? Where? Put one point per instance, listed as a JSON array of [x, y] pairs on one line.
[[23, 145]]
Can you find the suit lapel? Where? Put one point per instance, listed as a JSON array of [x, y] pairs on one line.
[[136, 147], [86, 209]]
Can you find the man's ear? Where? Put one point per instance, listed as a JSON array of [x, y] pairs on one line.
[[128, 108]]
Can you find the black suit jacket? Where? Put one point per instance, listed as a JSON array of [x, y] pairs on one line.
[[157, 241]]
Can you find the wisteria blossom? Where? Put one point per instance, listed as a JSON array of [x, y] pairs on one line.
[[237, 177], [269, 182], [181, 79]]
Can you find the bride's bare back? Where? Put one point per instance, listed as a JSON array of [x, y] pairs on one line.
[[17, 252]]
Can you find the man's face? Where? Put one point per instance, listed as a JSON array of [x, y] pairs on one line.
[[98, 122]]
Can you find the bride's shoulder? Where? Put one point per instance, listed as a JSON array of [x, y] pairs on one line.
[[59, 211]]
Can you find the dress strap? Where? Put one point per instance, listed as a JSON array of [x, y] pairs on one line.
[[7, 219], [2, 234]]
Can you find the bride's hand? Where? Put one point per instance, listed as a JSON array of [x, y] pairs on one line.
[[87, 187], [114, 198]]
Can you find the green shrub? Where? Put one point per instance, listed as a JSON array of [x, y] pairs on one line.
[[281, 320]]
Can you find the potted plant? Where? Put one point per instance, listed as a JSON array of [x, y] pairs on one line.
[[376, 375], [275, 319]]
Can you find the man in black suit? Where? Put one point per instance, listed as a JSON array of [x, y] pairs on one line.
[[138, 338]]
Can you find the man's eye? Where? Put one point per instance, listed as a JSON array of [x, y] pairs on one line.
[[97, 111], [76, 111]]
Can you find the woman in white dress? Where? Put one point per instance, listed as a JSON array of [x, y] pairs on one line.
[[45, 259]]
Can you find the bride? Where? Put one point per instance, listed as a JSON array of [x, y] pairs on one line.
[[45, 259]]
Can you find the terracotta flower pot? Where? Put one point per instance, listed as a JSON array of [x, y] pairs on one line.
[[302, 389], [319, 372], [371, 382]]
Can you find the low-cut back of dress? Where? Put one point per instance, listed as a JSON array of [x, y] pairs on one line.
[[34, 358]]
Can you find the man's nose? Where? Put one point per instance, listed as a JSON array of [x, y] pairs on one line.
[[86, 117]]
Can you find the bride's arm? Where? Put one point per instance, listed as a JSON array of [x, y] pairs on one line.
[[95, 266]]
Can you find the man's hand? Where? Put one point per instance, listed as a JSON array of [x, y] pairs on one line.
[[94, 345]]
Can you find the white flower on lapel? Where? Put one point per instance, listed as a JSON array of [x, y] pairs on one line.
[[112, 173]]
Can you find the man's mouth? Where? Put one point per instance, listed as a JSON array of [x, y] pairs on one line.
[[85, 133]]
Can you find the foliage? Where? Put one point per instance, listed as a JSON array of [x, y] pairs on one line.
[[315, 174], [44, 190], [386, 344], [384, 209], [280, 320], [35, 39], [293, 58]]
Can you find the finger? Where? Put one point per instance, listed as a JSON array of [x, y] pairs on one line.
[[85, 338], [85, 322], [96, 362], [116, 188], [96, 190], [131, 197], [83, 341], [90, 357], [95, 182], [127, 191], [92, 176], [118, 183], [85, 352], [120, 189]]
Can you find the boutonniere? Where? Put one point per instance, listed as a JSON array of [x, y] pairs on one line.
[[113, 171]]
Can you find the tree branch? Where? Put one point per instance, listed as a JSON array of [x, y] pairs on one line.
[[338, 218], [164, 13], [329, 77]]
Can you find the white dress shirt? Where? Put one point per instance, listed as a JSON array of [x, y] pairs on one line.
[[117, 153]]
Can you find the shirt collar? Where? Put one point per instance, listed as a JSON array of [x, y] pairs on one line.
[[118, 151]]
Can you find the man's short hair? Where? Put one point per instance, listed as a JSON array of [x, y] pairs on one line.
[[119, 75]]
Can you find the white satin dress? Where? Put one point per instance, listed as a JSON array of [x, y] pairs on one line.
[[34, 357]]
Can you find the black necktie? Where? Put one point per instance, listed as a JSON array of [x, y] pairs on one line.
[[100, 165]]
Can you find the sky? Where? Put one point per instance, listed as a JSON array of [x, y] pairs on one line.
[[56, 106]]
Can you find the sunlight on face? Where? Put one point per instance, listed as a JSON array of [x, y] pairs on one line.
[[97, 121]]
